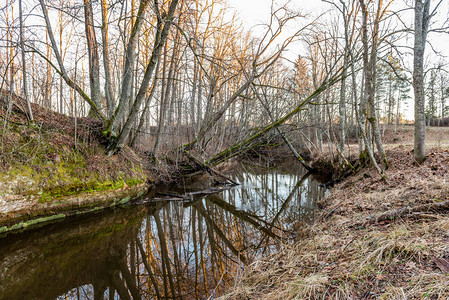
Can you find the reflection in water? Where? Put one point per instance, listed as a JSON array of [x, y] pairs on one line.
[[168, 250]]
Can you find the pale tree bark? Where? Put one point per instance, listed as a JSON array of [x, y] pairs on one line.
[[342, 107], [368, 93], [372, 90], [163, 27], [130, 57], [342, 102], [315, 115], [193, 97], [10, 59], [146, 107], [106, 60], [398, 105], [245, 145], [199, 101], [348, 61], [61, 89], [24, 70], [217, 115], [165, 98], [443, 94], [422, 19], [264, 102], [47, 93], [390, 104], [252, 68]]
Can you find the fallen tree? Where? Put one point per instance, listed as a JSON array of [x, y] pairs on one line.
[[251, 142]]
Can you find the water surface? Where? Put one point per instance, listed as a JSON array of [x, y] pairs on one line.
[[164, 250]]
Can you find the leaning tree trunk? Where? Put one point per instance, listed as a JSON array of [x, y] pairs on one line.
[[251, 142], [295, 153], [163, 27], [421, 27], [146, 107], [62, 71], [130, 57]]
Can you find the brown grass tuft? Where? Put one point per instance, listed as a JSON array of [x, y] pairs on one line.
[[343, 257]]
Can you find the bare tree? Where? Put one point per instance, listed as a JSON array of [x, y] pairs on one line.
[[106, 59], [24, 69], [94, 59], [369, 72], [422, 19]]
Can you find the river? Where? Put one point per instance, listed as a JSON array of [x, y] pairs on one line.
[[168, 249]]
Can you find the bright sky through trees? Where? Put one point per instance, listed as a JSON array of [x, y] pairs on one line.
[[254, 12]]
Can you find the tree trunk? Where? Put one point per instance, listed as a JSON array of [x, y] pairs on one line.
[[94, 59], [193, 97], [240, 147], [421, 27], [24, 70], [368, 92], [130, 57], [390, 104], [106, 61], [264, 103], [398, 106], [159, 41], [47, 94], [162, 107], [62, 71], [146, 107], [342, 107]]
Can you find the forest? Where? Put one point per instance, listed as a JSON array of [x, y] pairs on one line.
[[105, 104], [160, 76]]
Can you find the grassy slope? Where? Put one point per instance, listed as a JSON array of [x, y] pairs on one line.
[[43, 166], [347, 256]]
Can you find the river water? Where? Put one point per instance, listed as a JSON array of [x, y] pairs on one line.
[[168, 249]]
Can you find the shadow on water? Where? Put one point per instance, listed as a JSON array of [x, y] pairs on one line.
[[167, 250]]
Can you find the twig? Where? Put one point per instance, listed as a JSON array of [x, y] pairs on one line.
[[405, 211], [208, 169]]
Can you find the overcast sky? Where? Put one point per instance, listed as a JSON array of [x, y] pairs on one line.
[[253, 12]]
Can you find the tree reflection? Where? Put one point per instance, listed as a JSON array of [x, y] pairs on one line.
[[168, 250]]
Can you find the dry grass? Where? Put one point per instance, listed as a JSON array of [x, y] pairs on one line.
[[343, 257]]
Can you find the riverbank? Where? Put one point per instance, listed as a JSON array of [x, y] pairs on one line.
[[374, 238], [57, 167]]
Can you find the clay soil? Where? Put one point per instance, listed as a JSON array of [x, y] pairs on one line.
[[374, 239]]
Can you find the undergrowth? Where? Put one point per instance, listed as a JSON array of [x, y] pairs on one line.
[[45, 159], [344, 256]]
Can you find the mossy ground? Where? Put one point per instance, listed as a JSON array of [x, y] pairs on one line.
[[49, 159], [41, 166]]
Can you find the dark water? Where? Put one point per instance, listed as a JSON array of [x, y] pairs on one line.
[[169, 250]]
